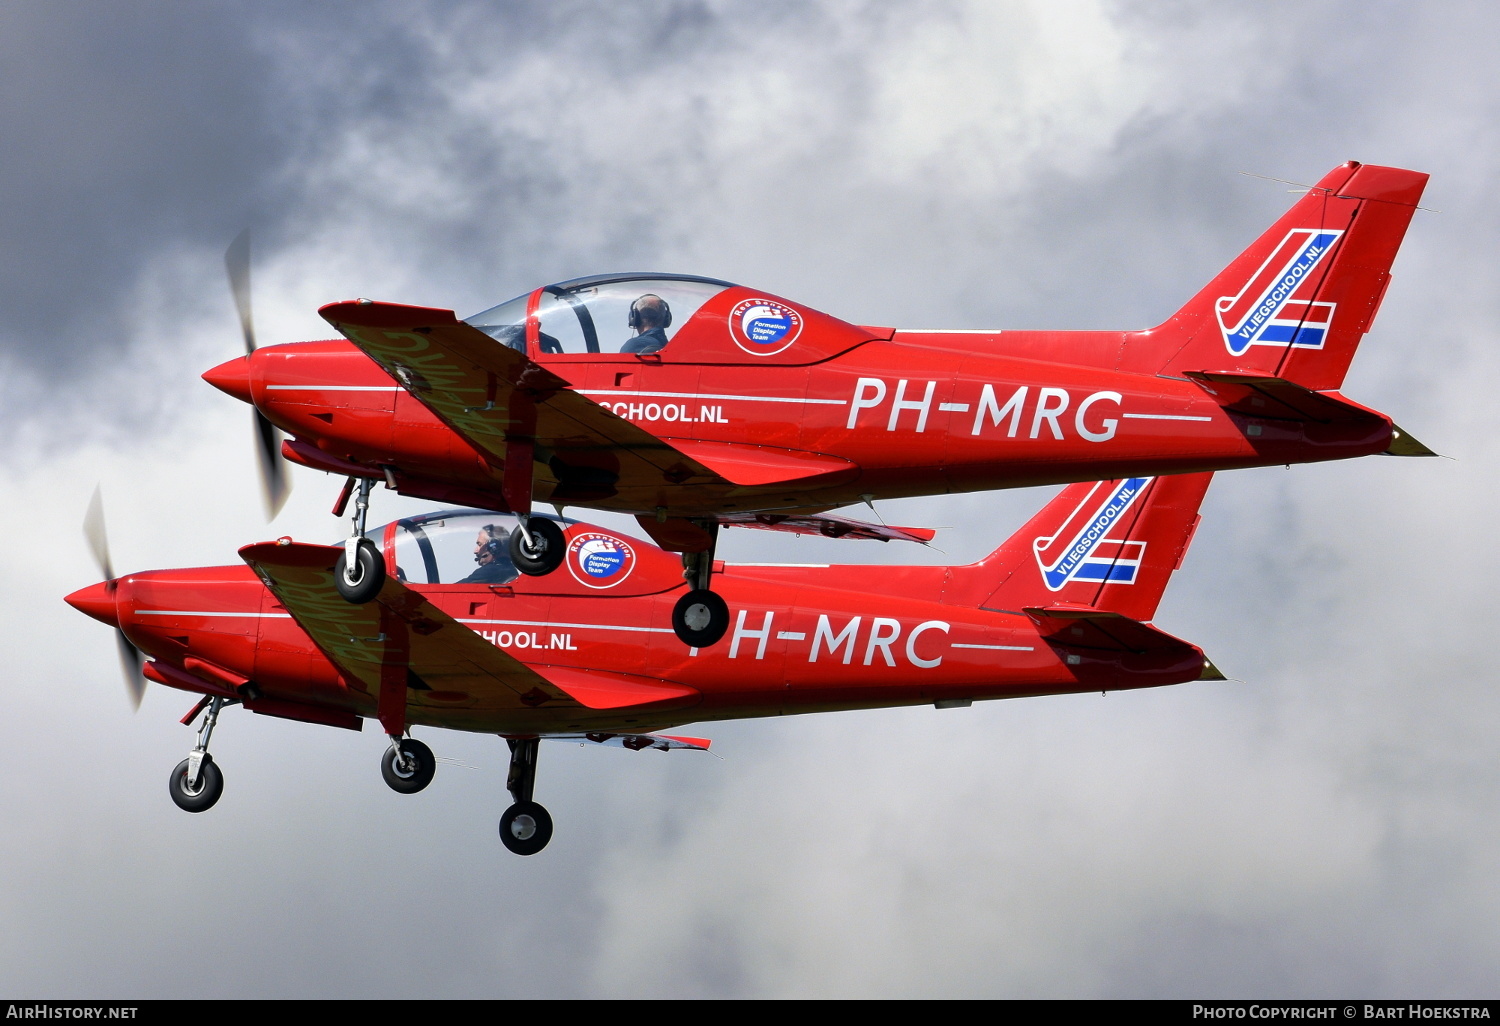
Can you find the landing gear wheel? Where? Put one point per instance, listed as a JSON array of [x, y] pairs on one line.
[[367, 578], [543, 554], [418, 776], [700, 618], [525, 828], [201, 798]]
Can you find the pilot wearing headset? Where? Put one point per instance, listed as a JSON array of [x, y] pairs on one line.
[[650, 316], [492, 553]]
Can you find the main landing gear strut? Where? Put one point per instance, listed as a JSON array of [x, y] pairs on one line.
[[196, 783], [525, 827], [700, 617]]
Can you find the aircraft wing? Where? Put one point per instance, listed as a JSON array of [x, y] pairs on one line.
[[494, 397], [445, 664]]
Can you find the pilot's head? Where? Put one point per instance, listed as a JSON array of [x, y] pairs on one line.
[[490, 545], [650, 311]]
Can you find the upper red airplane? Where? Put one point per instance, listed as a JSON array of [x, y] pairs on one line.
[[692, 402], [588, 653]]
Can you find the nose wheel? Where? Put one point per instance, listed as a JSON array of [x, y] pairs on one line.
[[537, 546], [408, 765], [359, 573], [199, 795], [525, 827]]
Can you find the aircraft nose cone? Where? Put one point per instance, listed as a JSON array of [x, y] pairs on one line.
[[233, 377], [98, 601]]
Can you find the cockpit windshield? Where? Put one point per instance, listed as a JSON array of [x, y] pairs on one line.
[[504, 323], [606, 314], [454, 547]]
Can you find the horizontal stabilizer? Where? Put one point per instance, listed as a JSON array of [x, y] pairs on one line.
[[1273, 398], [1086, 627]]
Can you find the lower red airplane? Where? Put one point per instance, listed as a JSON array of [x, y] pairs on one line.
[[590, 654]]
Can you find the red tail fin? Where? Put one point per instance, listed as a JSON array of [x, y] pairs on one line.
[[1296, 303], [1109, 545]]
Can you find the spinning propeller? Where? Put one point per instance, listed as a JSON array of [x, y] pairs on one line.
[[98, 539], [275, 485]]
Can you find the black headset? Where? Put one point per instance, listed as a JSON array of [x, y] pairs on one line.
[[635, 311], [497, 549]]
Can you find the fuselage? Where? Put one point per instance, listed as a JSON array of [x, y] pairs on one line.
[[805, 639], [918, 413]]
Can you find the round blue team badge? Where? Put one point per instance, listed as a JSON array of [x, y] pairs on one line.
[[764, 326], [600, 560]]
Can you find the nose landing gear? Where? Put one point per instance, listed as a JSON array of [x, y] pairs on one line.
[[196, 783], [408, 765], [360, 572], [536, 546], [525, 827]]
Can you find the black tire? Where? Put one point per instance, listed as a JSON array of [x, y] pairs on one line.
[[546, 556], [409, 782], [525, 828], [210, 786], [700, 618], [368, 577]]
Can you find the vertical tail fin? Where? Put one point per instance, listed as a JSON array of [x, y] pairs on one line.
[[1296, 303], [1106, 545]]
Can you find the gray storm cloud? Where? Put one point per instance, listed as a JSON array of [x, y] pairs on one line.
[[1322, 828]]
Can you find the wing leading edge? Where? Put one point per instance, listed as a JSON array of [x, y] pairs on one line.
[[401, 647]]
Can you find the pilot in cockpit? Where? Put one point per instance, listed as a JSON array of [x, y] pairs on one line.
[[492, 553], [650, 316]]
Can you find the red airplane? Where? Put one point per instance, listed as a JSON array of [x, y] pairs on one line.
[[692, 402], [588, 653]]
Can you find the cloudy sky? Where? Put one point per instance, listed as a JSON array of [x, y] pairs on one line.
[[1322, 827]]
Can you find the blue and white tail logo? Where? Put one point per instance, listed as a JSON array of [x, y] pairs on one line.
[[1275, 308], [1082, 550]]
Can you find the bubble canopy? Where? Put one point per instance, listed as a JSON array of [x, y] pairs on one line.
[[600, 314], [441, 547]]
